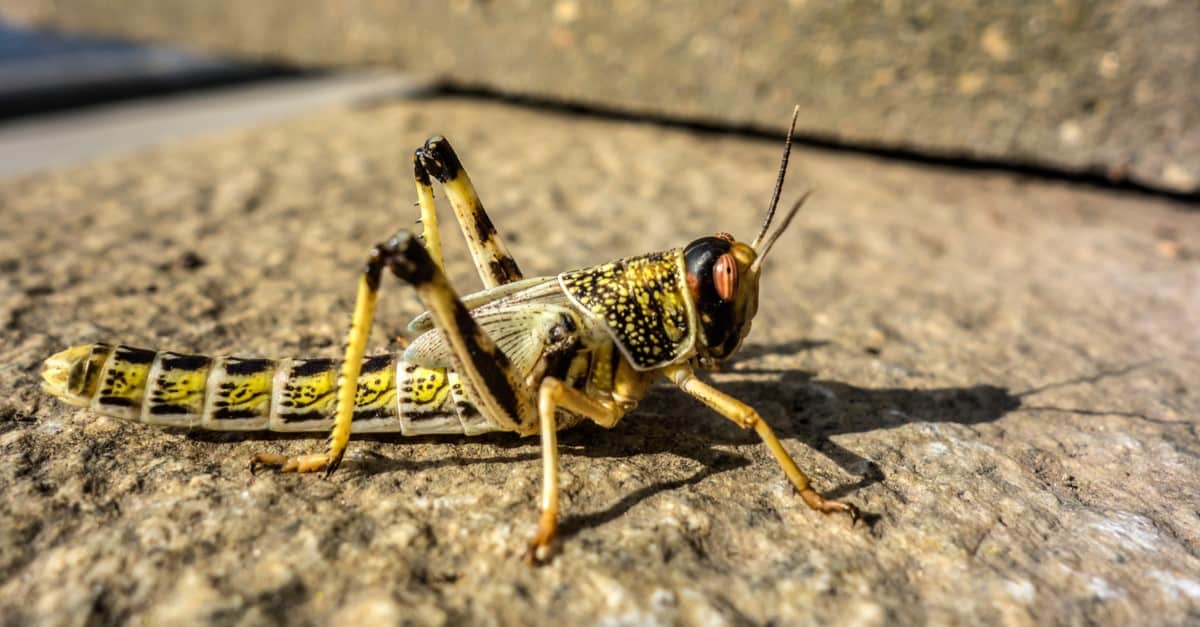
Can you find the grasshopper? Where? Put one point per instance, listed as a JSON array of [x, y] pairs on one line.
[[524, 355]]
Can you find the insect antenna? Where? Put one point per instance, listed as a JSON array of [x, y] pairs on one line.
[[787, 220], [783, 164]]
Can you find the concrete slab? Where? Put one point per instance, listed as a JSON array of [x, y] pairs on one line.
[[31, 144], [1105, 88], [1000, 370]]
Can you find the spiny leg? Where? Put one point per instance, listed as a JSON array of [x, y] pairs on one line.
[[487, 250], [747, 417], [356, 345], [437, 159], [486, 370], [430, 235], [552, 394]]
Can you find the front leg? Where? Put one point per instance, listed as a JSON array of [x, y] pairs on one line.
[[747, 417]]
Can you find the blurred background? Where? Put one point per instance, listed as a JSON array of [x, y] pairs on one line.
[[1103, 91]]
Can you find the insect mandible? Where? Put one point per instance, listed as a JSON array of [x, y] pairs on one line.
[[529, 356]]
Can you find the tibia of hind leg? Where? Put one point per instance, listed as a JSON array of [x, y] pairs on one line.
[[439, 159]]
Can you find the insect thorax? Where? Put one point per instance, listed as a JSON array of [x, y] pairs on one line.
[[642, 302]]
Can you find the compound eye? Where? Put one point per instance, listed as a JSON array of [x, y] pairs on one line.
[[725, 275]]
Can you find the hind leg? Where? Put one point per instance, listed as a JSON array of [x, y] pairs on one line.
[[486, 371], [347, 386], [437, 160]]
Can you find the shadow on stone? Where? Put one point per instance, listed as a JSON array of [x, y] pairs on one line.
[[670, 422], [816, 410], [718, 463], [753, 351]]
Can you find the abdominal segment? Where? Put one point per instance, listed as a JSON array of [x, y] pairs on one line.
[[291, 395]]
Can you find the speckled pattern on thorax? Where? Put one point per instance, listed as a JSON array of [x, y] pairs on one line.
[[643, 303]]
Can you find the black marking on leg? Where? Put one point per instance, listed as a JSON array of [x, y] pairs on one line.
[[408, 259], [419, 171], [440, 159], [410, 262], [333, 464], [505, 270], [491, 364], [484, 229], [374, 269]]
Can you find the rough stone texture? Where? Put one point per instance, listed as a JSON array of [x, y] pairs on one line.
[[1100, 87], [1001, 371]]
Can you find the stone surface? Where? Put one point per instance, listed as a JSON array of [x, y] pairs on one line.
[[1000, 370], [1106, 88]]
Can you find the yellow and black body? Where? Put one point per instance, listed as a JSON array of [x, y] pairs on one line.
[[529, 356]]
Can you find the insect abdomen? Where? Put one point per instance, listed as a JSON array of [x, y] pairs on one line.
[[241, 394]]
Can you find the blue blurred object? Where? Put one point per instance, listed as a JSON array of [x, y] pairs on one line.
[[43, 71]]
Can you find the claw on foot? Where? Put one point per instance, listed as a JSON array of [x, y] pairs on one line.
[[282, 463], [827, 506], [541, 546]]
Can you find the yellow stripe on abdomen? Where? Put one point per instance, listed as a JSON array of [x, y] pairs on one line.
[[122, 381], [239, 394], [175, 396], [245, 394], [305, 395]]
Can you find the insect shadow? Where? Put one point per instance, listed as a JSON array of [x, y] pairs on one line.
[[814, 410], [798, 406]]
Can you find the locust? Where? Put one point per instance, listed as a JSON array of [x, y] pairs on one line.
[[529, 356]]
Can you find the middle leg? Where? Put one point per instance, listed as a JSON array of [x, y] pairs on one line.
[[552, 394]]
